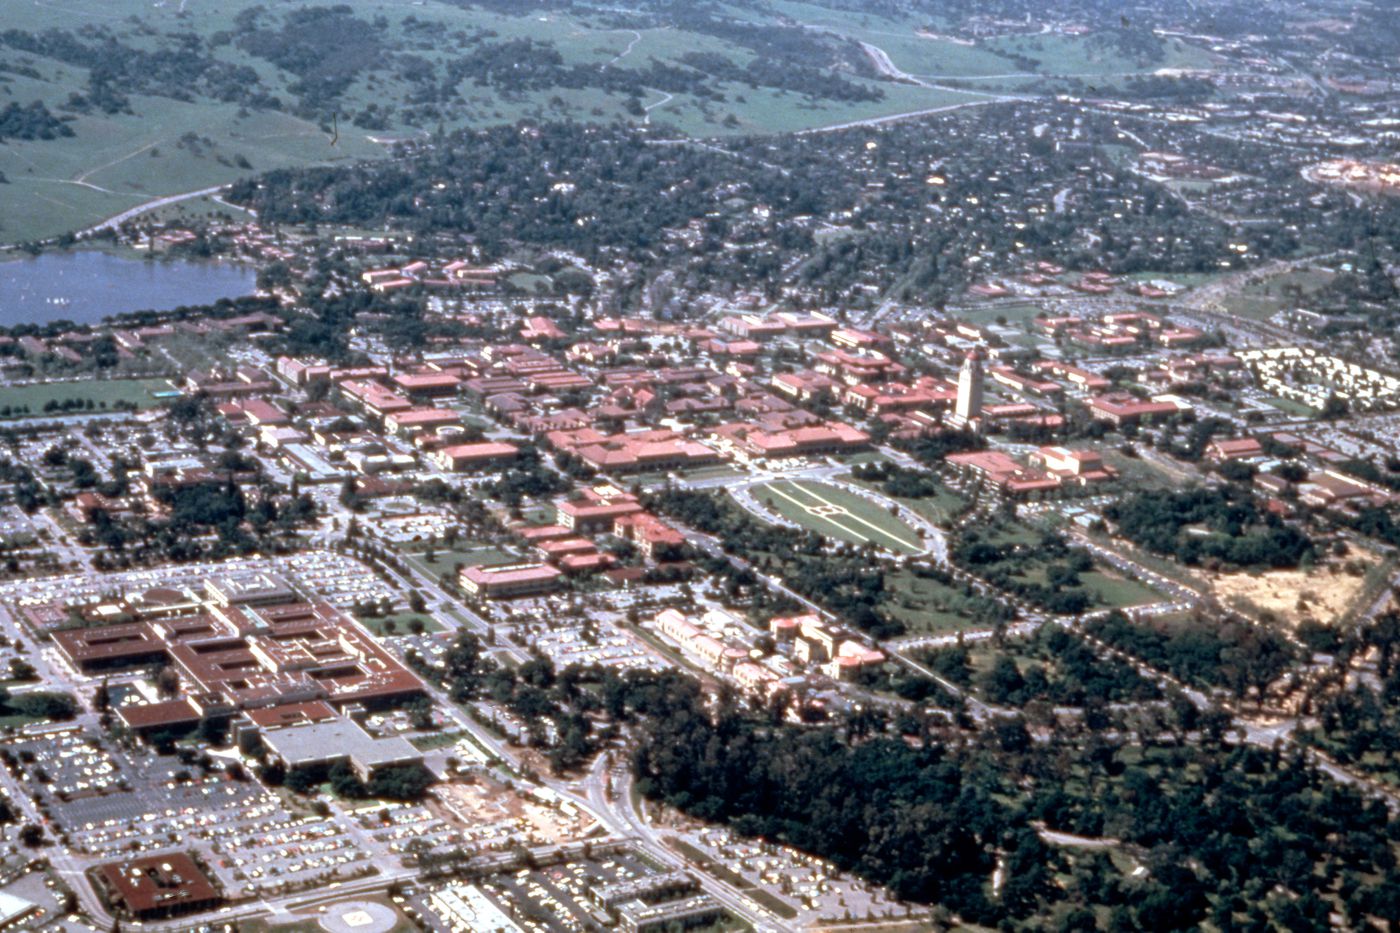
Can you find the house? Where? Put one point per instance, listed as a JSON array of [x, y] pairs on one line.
[[415, 420], [427, 385], [318, 744], [648, 532]]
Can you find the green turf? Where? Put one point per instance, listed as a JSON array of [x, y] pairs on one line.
[[927, 607], [938, 508], [17, 721], [862, 458], [1291, 407], [1263, 298], [1014, 314], [427, 743], [136, 391], [1118, 592], [402, 621], [836, 513], [445, 559]]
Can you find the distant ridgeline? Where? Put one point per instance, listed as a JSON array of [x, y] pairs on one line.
[[325, 49]]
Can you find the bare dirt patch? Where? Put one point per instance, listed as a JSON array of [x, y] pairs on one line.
[[1323, 594]]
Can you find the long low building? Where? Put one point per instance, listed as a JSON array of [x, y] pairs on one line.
[[510, 581], [1119, 409], [474, 456]]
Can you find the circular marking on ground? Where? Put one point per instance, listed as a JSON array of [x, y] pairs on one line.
[[359, 917]]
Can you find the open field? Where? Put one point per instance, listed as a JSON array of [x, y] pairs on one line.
[[445, 559], [838, 514], [1292, 407], [114, 163], [938, 508], [1083, 56], [1015, 313], [401, 623], [1262, 298], [103, 393], [1118, 592], [928, 607], [1324, 593]]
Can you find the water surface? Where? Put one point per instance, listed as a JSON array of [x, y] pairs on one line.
[[86, 286]]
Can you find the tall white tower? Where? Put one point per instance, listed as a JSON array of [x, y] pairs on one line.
[[969, 410]]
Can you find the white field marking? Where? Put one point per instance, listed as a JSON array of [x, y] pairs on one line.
[[879, 529], [808, 509], [829, 512]]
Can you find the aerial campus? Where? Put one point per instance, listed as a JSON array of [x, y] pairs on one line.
[[852, 465]]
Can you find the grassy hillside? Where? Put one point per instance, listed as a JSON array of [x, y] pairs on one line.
[[172, 97]]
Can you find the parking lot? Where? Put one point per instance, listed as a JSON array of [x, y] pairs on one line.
[[337, 578], [547, 899], [112, 804], [814, 889]]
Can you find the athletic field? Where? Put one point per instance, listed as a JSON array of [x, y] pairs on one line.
[[836, 513]]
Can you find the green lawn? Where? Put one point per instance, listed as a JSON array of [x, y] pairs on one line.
[[1261, 300], [402, 623], [927, 607], [19, 721], [1118, 592], [445, 559], [428, 743], [1015, 314], [938, 508], [718, 471], [836, 513], [138, 392], [1291, 407], [1137, 473], [862, 458]]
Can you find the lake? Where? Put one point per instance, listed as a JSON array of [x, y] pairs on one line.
[[84, 287]]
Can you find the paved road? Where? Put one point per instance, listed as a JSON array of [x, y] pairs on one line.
[[610, 795], [112, 223]]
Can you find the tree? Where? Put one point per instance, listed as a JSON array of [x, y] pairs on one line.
[[400, 782], [301, 780], [168, 681]]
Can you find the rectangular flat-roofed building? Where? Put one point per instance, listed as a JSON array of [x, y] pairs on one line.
[[158, 886], [315, 744], [473, 456], [510, 581], [427, 385]]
